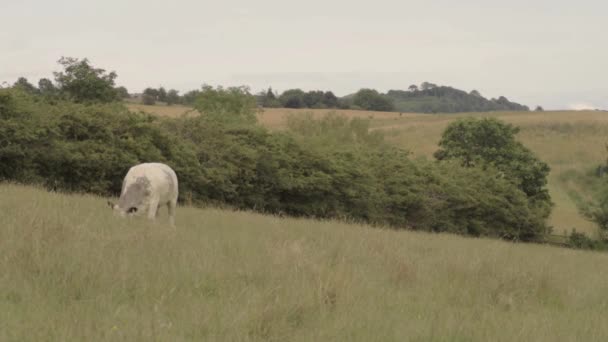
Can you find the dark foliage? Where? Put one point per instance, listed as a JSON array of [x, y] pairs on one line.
[[370, 99], [442, 99], [490, 144], [582, 241]]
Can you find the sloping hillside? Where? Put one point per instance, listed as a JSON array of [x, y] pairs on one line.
[[569, 141], [69, 271]]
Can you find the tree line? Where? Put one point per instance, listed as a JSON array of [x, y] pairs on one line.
[[430, 98], [426, 98], [81, 82], [78, 82]]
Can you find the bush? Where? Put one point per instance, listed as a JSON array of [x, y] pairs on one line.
[[76, 147], [490, 143], [396, 191], [581, 241], [328, 168], [122, 92], [594, 203], [444, 197], [234, 105]]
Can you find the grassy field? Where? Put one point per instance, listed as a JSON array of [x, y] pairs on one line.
[[70, 271], [569, 141]]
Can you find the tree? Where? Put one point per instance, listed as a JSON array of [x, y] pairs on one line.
[[370, 99], [268, 99], [475, 93], [81, 82], [172, 97], [270, 94], [502, 100], [23, 84], [190, 97], [150, 96], [427, 86], [162, 95], [152, 92], [330, 100], [46, 87], [313, 99], [539, 109], [489, 142], [122, 92], [413, 88], [292, 98]]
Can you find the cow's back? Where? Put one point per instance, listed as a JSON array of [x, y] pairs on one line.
[[163, 180]]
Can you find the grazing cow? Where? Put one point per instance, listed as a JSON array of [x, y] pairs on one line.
[[146, 187]]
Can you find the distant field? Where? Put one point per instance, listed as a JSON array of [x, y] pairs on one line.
[[170, 111], [567, 140], [70, 271], [276, 117]]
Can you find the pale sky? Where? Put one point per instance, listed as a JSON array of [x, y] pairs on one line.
[[552, 53]]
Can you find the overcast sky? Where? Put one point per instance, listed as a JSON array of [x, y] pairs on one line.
[[553, 53]]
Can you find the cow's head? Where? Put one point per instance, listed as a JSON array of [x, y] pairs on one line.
[[115, 209], [131, 211]]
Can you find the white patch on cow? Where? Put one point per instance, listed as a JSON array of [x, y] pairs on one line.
[[145, 188]]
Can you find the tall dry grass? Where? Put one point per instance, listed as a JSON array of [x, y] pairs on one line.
[[172, 111], [69, 271]]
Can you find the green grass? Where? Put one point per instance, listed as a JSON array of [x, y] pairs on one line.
[[70, 271]]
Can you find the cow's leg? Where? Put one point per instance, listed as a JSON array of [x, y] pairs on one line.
[[153, 208], [157, 211], [172, 204]]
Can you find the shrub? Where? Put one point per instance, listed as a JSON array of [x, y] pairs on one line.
[[441, 197], [328, 168], [581, 241], [76, 147], [234, 105], [444, 197], [490, 143]]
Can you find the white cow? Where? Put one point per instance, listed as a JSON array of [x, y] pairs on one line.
[[146, 187]]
